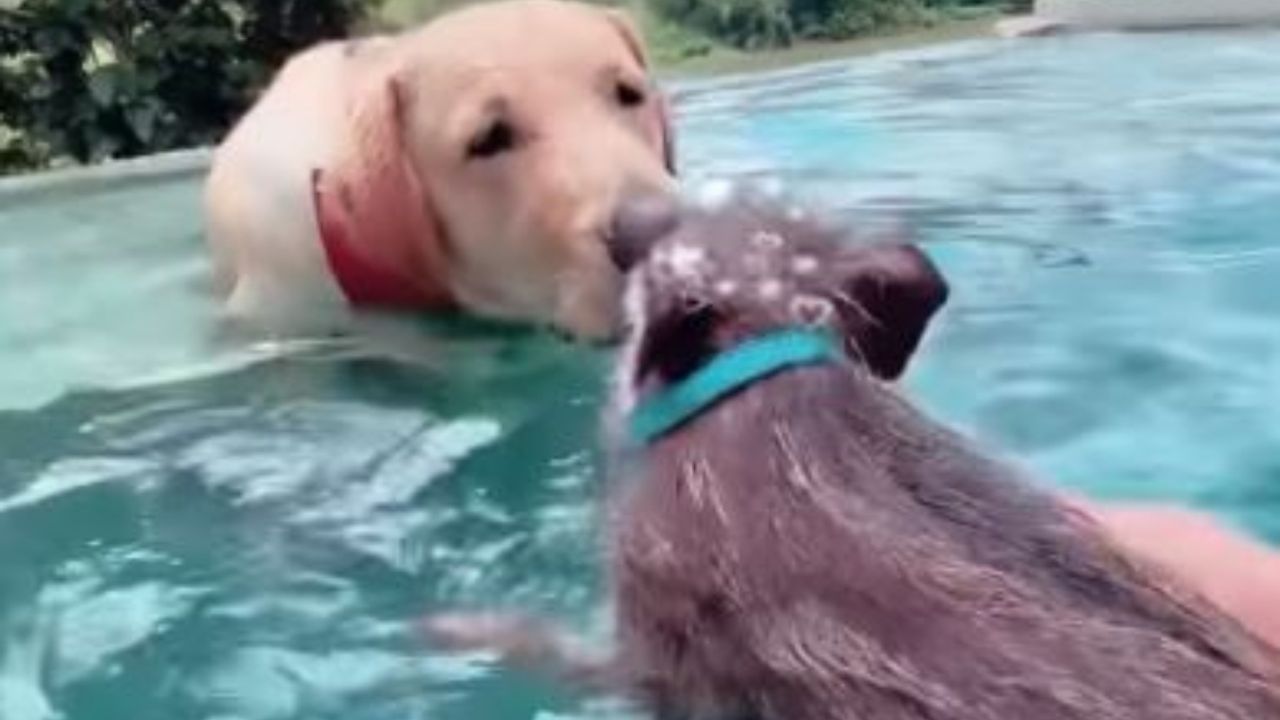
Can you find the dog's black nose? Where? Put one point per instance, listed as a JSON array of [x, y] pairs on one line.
[[638, 223]]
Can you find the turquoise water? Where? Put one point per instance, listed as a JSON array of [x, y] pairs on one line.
[[195, 527]]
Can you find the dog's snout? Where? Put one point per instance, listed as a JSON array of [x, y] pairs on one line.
[[637, 224]]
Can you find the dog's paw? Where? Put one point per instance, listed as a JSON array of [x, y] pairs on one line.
[[508, 634], [524, 641]]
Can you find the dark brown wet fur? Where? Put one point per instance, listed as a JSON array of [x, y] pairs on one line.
[[816, 548]]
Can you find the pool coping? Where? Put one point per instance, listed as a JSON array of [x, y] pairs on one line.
[[110, 175]]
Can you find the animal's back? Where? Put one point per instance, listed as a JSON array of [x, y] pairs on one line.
[[830, 574], [813, 547], [263, 237]]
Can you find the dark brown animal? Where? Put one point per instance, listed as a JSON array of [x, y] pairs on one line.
[[813, 547]]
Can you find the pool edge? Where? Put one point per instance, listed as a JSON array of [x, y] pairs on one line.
[[108, 175]]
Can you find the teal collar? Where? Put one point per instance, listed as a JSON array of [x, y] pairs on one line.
[[730, 371]]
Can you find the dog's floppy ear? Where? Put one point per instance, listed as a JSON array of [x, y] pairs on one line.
[[888, 294], [626, 27], [382, 240]]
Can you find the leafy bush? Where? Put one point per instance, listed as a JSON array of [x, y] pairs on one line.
[[747, 24], [752, 24], [98, 79], [969, 7], [87, 80], [840, 19]]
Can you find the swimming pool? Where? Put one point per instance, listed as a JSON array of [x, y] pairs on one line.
[[192, 527]]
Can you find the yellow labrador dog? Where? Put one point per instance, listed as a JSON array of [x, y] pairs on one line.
[[498, 160]]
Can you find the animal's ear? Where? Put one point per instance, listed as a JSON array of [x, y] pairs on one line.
[[379, 232], [675, 344], [888, 295], [626, 27]]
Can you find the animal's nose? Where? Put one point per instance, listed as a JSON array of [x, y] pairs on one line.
[[638, 223]]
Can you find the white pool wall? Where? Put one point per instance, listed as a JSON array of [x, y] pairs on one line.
[[104, 176], [1159, 14]]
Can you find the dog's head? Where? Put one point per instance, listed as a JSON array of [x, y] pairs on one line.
[[530, 128], [729, 275]]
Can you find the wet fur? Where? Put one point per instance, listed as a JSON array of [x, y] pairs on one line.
[[816, 548]]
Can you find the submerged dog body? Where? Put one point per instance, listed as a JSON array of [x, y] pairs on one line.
[[812, 547], [479, 162]]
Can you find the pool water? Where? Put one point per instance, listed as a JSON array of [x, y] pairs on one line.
[[192, 526]]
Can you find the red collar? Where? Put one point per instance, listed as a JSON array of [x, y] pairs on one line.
[[364, 281]]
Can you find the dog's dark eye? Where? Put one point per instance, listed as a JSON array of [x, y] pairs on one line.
[[628, 95], [497, 138]]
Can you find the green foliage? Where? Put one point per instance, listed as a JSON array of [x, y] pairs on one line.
[[98, 79], [404, 13], [747, 24], [87, 80], [751, 24], [839, 19]]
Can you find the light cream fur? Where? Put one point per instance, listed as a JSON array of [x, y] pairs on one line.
[[516, 236]]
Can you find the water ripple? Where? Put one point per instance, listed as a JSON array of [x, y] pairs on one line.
[[195, 528]]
